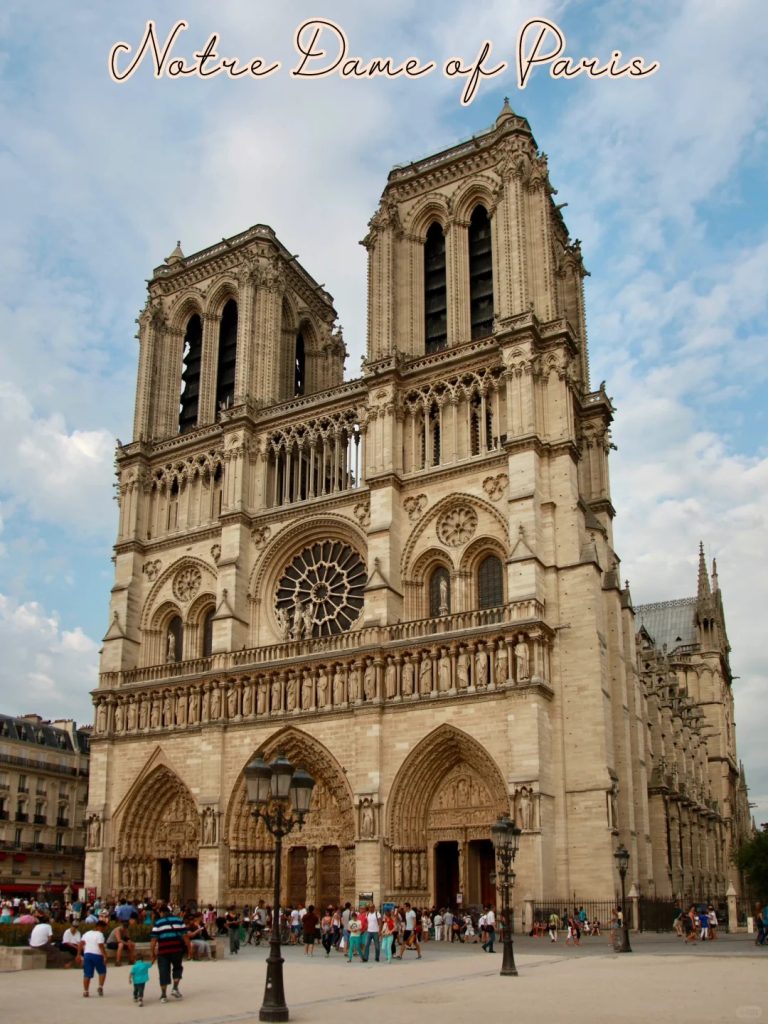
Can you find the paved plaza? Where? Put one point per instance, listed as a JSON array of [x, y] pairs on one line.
[[661, 979]]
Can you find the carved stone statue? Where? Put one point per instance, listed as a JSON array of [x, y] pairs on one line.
[[502, 664], [143, 713], [369, 681], [366, 819], [354, 683], [215, 704], [308, 619], [119, 717], [154, 718], [101, 717], [94, 831], [522, 659], [306, 691], [525, 808], [247, 700], [205, 705], [297, 626], [398, 869], [261, 697], [232, 701], [277, 702], [290, 695], [425, 675], [171, 647], [443, 586], [462, 670], [283, 624], [194, 706], [444, 672], [390, 679], [132, 715], [167, 710], [407, 679], [481, 669], [322, 688], [338, 687], [181, 708]]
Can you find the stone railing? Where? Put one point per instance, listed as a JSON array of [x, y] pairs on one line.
[[372, 668], [353, 640]]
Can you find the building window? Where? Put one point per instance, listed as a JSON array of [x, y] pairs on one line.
[[490, 583], [190, 374], [23, 787], [439, 592], [175, 639], [208, 632], [225, 373], [480, 273], [17, 837], [435, 291], [299, 381]]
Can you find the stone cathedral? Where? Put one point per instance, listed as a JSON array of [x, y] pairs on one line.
[[406, 582]]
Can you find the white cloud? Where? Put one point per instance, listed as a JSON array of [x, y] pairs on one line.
[[60, 476], [45, 669]]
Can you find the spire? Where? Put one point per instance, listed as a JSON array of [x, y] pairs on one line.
[[715, 581], [505, 113], [177, 256], [703, 587]]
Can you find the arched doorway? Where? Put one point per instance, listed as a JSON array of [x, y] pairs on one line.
[[159, 839], [318, 861], [444, 800]]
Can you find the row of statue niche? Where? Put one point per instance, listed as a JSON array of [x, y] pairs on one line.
[[251, 870], [410, 869], [136, 874], [297, 624], [185, 705]]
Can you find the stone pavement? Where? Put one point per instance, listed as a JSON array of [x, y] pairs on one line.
[[720, 981]]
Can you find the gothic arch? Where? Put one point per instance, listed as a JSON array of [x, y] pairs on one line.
[[478, 191], [224, 289], [432, 208], [190, 301], [161, 588], [422, 774], [158, 818], [428, 561], [478, 549], [430, 518]]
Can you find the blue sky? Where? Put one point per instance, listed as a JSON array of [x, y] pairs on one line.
[[666, 187]]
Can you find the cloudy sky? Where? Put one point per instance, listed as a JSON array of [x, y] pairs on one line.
[[665, 183]]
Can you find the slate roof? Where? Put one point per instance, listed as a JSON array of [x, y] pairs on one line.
[[669, 622], [42, 734]]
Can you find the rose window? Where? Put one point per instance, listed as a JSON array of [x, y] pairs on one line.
[[457, 526], [321, 591], [187, 582]]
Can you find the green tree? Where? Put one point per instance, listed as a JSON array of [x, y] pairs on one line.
[[752, 859]]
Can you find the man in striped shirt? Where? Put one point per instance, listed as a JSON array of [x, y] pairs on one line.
[[169, 944]]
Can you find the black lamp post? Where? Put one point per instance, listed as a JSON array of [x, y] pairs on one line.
[[280, 795], [506, 840], [622, 860]]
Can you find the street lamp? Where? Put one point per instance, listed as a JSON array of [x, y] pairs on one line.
[[506, 840], [280, 795], [622, 860]]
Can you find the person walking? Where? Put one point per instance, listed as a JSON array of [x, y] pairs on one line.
[[372, 933], [354, 928], [309, 924], [92, 950], [410, 938], [490, 929], [138, 976], [169, 941], [388, 931]]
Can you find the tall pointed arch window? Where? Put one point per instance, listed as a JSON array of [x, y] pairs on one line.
[[208, 632], [490, 583], [299, 366], [190, 374], [480, 273], [435, 291], [225, 370]]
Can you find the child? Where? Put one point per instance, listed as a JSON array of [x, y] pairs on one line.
[[138, 976]]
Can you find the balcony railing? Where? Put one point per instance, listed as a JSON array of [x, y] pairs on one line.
[[20, 816], [515, 614], [62, 822], [3, 815], [40, 819]]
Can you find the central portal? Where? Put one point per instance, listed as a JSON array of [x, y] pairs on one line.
[[446, 873]]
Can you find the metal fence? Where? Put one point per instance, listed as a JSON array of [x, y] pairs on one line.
[[596, 910]]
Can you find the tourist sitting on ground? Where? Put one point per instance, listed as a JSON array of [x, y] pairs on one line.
[[70, 940], [120, 942]]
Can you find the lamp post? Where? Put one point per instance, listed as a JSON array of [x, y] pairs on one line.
[[506, 840], [280, 795], [622, 860]]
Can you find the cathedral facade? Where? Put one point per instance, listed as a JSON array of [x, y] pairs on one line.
[[406, 582]]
